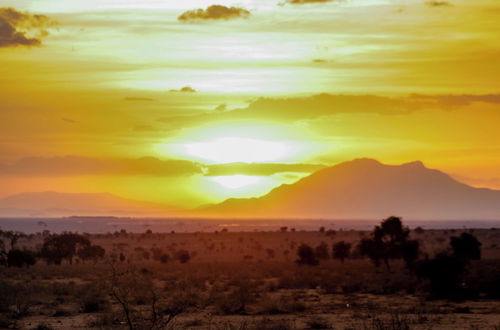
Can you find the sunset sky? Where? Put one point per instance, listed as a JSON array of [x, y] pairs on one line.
[[192, 102]]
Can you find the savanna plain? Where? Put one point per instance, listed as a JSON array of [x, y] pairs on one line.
[[388, 278]]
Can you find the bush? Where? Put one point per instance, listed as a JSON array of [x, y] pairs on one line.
[[306, 256]]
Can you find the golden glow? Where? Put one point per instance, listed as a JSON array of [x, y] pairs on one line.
[[235, 149], [106, 84], [236, 181]]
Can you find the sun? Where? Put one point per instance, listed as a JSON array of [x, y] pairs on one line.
[[238, 150]]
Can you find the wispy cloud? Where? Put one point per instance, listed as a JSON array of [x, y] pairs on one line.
[[214, 12], [78, 165]]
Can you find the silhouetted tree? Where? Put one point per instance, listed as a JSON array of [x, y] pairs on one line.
[[321, 251], [21, 258], [466, 247], [12, 237], [444, 273], [341, 251], [56, 248], [388, 241], [306, 255], [91, 252]]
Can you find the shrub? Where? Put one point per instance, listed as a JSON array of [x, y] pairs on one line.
[[306, 256]]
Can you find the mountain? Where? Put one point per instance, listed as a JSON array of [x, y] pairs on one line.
[[55, 204], [367, 189]]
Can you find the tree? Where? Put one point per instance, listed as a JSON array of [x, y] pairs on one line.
[[91, 252], [20, 258], [466, 247], [444, 273], [56, 248], [321, 251], [341, 250], [388, 241], [372, 249], [13, 237], [306, 256]]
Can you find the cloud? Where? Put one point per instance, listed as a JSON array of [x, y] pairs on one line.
[[330, 104], [214, 12], [147, 99], [260, 168], [186, 89], [22, 29], [458, 100], [68, 120], [77, 165], [435, 3], [302, 2]]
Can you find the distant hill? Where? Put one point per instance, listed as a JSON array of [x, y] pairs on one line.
[[367, 189], [57, 204]]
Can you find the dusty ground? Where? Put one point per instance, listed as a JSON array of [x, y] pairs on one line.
[[259, 269]]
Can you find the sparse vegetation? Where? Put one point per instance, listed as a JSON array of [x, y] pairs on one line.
[[263, 280]]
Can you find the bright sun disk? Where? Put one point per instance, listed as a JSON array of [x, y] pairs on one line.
[[236, 149]]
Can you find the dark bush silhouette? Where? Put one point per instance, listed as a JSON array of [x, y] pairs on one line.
[[56, 248], [466, 247], [341, 251], [444, 273], [306, 256], [411, 250], [21, 258], [183, 256], [321, 251], [91, 252]]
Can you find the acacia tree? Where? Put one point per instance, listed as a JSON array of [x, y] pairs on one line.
[[389, 241], [56, 248]]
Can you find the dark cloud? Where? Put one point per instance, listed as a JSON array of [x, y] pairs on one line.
[[69, 121], [324, 105], [77, 165], [260, 169], [458, 100], [22, 29], [330, 104], [214, 12], [186, 89], [435, 3], [221, 107], [147, 99]]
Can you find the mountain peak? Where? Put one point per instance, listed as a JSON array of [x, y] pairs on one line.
[[414, 164], [364, 188]]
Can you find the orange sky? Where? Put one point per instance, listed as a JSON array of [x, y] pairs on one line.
[[159, 101]]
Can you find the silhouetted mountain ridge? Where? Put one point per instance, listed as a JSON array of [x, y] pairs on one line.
[[367, 189]]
